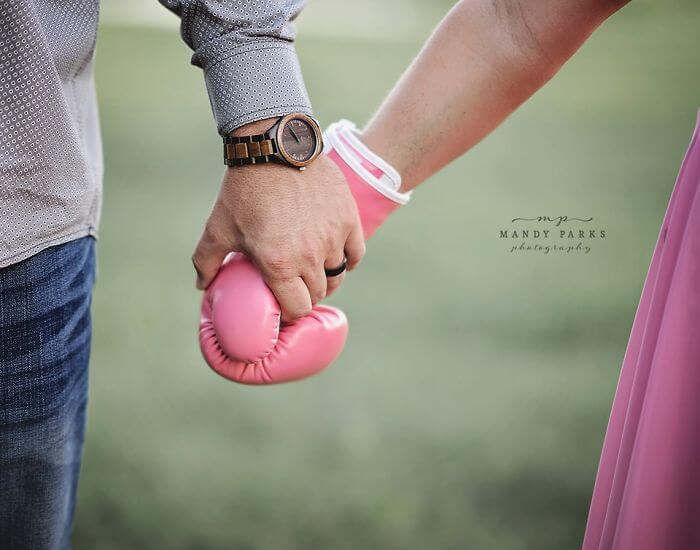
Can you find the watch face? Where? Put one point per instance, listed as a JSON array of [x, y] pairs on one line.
[[299, 140]]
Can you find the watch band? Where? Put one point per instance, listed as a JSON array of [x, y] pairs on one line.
[[268, 146], [240, 150]]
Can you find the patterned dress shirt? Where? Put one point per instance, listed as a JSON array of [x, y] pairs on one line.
[[50, 147]]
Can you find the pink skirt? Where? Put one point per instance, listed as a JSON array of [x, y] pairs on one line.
[[647, 491]]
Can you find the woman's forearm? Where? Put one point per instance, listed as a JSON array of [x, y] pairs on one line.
[[484, 60]]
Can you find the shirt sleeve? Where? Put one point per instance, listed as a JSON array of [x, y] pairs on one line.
[[246, 50]]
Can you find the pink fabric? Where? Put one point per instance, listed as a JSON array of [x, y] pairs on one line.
[[373, 207], [240, 334], [366, 164], [647, 491]]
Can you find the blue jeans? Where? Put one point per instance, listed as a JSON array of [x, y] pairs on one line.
[[45, 334]]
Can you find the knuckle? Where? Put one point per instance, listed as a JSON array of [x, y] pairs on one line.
[[275, 261], [355, 258], [199, 261], [210, 234], [353, 262], [309, 256], [299, 312], [196, 260]]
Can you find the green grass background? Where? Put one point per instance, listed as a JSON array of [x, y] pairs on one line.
[[469, 406]]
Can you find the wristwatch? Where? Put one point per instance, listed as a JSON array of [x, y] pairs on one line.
[[295, 139]]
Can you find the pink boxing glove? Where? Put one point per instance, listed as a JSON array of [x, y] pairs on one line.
[[240, 333]]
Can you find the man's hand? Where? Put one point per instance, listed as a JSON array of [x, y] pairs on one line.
[[291, 223]]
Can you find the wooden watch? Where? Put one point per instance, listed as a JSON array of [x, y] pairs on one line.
[[295, 139]]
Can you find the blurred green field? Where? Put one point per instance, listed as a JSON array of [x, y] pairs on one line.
[[469, 406]]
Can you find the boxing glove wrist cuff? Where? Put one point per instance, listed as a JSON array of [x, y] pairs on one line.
[[343, 137]]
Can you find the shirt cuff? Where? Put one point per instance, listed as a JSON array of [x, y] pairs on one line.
[[252, 82]]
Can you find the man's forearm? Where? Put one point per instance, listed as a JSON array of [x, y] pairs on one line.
[[293, 225], [484, 60]]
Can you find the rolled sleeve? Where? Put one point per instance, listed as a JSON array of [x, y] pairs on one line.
[[246, 50], [254, 81]]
